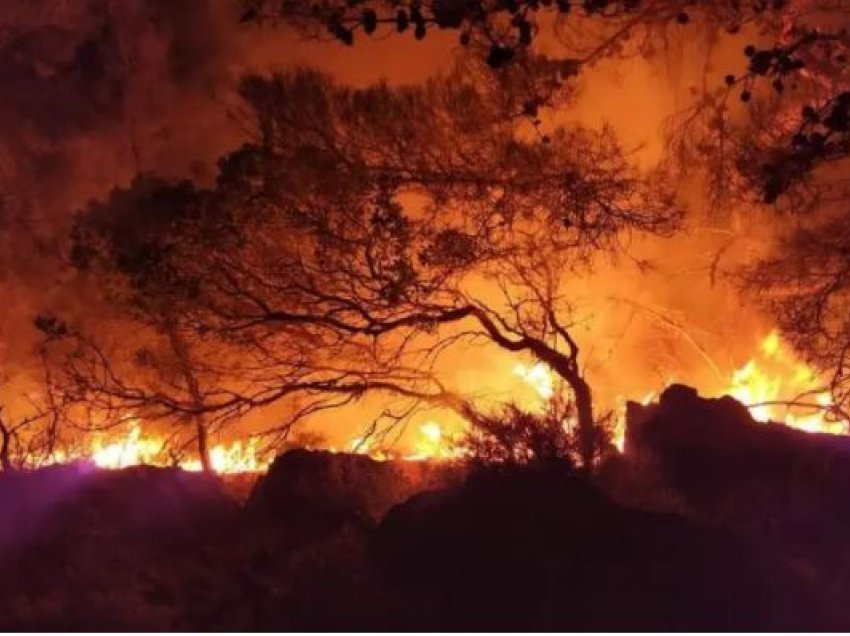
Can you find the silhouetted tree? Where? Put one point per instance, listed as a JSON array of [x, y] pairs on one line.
[[795, 59], [123, 245], [765, 130], [779, 131], [361, 220], [502, 31], [33, 412]]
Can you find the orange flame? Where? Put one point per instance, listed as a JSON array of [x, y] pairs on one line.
[[136, 447], [773, 379], [766, 384], [538, 377]]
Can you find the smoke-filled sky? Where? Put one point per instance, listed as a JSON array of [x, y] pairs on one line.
[[97, 91], [148, 85]]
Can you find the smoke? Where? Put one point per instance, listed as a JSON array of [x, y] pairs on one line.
[[97, 91]]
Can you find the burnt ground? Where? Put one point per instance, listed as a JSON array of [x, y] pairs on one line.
[[709, 522]]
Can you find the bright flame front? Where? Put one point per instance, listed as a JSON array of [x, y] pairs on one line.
[[777, 387], [767, 384], [136, 447]]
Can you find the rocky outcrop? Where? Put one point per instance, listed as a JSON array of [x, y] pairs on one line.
[[711, 449], [777, 486], [540, 549], [316, 491], [503, 548]]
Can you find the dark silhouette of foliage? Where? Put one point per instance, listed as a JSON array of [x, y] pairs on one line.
[[791, 114], [503, 31], [517, 436], [34, 410], [127, 245], [818, 132], [330, 282], [529, 547], [513, 547], [795, 42]]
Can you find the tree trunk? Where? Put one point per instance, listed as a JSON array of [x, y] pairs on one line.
[[181, 350], [568, 369], [203, 444], [586, 425], [5, 443]]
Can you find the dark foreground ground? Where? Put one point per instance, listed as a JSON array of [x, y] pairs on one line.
[[710, 522]]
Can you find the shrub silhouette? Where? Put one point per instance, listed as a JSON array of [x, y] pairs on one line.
[[516, 436]]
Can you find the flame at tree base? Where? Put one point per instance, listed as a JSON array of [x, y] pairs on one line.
[[774, 385], [136, 448]]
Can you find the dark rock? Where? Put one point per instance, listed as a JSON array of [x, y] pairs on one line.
[[316, 492], [781, 488], [540, 549], [712, 449]]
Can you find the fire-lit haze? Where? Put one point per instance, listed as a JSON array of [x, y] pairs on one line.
[[163, 101]]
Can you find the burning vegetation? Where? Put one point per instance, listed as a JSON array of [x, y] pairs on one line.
[[322, 283], [773, 384]]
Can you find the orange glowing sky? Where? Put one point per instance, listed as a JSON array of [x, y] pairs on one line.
[[179, 126]]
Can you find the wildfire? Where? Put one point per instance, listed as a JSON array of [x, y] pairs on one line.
[[133, 449], [772, 380], [767, 384], [233, 458], [136, 447], [430, 442], [433, 443], [538, 377]]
